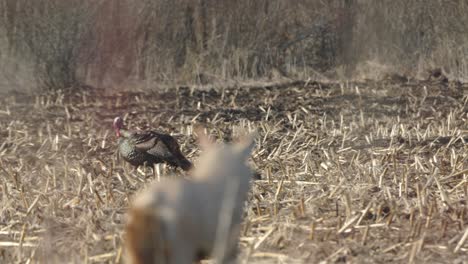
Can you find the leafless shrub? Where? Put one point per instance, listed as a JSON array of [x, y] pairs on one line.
[[110, 42], [55, 35], [231, 39], [413, 36]]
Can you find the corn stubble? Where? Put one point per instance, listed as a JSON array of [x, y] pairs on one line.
[[356, 172]]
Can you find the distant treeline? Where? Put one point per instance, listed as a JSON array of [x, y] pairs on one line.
[[69, 42]]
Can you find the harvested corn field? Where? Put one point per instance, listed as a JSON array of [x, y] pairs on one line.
[[350, 172]]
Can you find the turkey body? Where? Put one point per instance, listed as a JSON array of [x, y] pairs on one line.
[[146, 148]]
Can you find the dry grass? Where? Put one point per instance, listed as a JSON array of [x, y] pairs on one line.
[[117, 43], [357, 173]]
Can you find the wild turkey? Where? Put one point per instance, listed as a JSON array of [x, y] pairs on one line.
[[149, 147]]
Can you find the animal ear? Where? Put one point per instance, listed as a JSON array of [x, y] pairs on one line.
[[204, 140], [246, 144]]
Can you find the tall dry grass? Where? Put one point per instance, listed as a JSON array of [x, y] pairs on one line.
[[109, 43], [55, 36]]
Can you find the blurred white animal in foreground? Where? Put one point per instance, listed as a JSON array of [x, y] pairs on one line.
[[180, 221]]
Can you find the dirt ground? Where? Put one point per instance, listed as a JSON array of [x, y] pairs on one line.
[[373, 172]]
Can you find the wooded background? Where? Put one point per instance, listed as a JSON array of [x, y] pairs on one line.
[[57, 43]]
